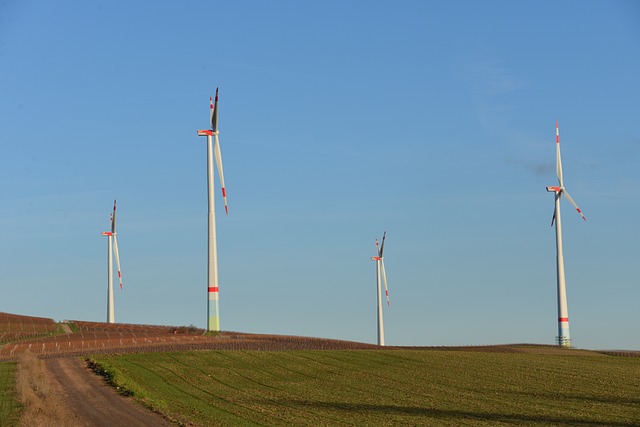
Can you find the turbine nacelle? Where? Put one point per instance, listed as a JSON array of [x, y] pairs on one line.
[[376, 258], [554, 188], [207, 132]]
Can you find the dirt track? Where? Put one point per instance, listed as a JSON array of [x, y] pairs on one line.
[[91, 402]]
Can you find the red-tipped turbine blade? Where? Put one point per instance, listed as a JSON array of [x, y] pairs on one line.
[[574, 204], [218, 155], [384, 278], [115, 251]]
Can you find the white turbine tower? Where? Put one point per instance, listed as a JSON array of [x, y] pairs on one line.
[[379, 259], [564, 339], [112, 248], [213, 316]]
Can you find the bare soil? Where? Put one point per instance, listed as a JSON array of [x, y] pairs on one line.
[[90, 401]]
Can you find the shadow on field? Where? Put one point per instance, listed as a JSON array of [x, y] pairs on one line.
[[455, 415], [611, 400]]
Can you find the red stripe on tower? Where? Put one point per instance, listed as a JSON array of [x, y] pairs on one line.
[[212, 289], [563, 319]]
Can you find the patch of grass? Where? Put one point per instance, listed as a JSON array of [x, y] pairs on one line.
[[112, 378], [9, 404], [74, 328], [383, 387]]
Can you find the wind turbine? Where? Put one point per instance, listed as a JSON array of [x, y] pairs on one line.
[[564, 339], [213, 316], [379, 259], [112, 248]]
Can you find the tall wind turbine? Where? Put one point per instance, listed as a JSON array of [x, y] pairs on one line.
[[112, 248], [213, 316], [379, 259], [564, 339]]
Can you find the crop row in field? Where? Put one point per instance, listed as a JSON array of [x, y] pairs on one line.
[[14, 327], [9, 407], [100, 339], [78, 345], [384, 387], [84, 326]]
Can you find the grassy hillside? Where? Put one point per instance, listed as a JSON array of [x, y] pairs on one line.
[[383, 387]]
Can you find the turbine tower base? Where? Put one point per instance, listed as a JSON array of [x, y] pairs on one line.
[[564, 342]]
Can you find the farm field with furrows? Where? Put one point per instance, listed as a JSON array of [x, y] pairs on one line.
[[233, 378], [519, 386]]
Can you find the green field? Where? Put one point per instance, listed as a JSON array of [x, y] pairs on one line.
[[383, 387], [9, 407]]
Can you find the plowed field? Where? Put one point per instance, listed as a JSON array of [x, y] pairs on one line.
[[384, 387]]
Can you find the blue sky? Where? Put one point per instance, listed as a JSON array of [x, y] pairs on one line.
[[338, 120]]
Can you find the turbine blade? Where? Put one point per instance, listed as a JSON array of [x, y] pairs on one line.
[[113, 218], [382, 245], [558, 159], [573, 203], [384, 278], [213, 107], [115, 250], [218, 155]]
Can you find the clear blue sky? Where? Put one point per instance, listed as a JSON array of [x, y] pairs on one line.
[[339, 120]]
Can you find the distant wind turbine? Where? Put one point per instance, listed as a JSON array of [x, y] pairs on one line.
[[213, 316], [564, 339], [379, 259], [112, 248]]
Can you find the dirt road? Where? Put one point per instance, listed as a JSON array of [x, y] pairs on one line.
[[91, 402]]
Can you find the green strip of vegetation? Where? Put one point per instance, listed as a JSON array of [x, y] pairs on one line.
[[74, 328], [382, 387], [9, 405]]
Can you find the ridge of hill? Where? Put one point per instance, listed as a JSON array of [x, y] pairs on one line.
[[51, 341], [48, 339]]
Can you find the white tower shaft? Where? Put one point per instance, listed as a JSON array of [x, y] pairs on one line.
[[213, 316], [110, 309], [564, 338], [380, 319]]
